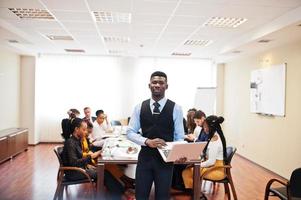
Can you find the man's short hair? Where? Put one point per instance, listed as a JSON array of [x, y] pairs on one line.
[[85, 108], [99, 112], [159, 73], [199, 114]]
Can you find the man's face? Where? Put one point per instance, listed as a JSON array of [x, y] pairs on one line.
[[100, 118], [158, 85], [199, 122], [82, 130], [87, 113]]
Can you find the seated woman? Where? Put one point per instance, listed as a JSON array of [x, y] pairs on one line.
[[112, 168], [73, 156], [214, 151]]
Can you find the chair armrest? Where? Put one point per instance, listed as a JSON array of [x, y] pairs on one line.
[[214, 168], [275, 180], [62, 169]]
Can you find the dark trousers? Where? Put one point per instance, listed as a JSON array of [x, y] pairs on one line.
[[151, 168]]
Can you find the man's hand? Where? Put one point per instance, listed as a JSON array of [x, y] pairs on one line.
[[181, 160], [154, 143]]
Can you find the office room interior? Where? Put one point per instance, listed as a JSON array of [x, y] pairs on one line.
[[62, 54]]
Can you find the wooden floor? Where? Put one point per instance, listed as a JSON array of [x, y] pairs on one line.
[[32, 175]]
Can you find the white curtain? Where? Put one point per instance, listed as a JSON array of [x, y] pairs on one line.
[[113, 84]]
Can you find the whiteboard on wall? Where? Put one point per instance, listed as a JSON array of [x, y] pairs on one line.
[[205, 100], [267, 90]]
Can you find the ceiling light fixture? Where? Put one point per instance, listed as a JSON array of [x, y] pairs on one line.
[[112, 17], [116, 39], [198, 42], [181, 54], [75, 50], [32, 13], [264, 41], [59, 37], [225, 22]]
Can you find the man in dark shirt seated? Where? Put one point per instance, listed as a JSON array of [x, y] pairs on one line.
[[72, 156]]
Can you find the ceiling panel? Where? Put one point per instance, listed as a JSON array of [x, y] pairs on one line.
[[109, 5], [73, 16], [21, 4], [74, 5], [149, 19], [153, 7]]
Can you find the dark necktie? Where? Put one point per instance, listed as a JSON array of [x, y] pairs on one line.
[[156, 110]]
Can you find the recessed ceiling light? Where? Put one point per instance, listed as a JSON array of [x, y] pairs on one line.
[[112, 17], [116, 39], [59, 37], [225, 22], [198, 42], [181, 54], [264, 41], [75, 50], [31, 13]]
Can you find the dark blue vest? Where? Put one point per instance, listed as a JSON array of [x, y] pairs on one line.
[[160, 127]]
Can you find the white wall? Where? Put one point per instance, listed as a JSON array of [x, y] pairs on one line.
[[27, 111], [273, 142], [9, 90], [113, 84]]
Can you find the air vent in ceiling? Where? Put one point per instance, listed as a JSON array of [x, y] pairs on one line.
[[32, 13], [225, 22], [236, 51], [202, 43], [13, 41], [112, 17], [59, 37], [116, 52], [180, 54], [264, 41], [75, 50], [116, 39]]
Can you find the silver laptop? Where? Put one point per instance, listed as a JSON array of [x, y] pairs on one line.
[[175, 150]]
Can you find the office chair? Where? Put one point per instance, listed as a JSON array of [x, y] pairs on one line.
[[228, 179], [115, 123], [62, 182], [291, 190]]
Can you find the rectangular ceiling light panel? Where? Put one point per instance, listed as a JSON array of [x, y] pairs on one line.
[[32, 13], [202, 43], [59, 37], [112, 17], [225, 22], [181, 54], [75, 50], [112, 39]]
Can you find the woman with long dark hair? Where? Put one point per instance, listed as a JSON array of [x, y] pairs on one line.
[[214, 153]]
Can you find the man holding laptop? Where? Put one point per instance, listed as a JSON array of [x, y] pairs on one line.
[[160, 121]]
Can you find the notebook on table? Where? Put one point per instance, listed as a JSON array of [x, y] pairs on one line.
[[175, 150]]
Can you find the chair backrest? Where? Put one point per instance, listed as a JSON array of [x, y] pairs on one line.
[[58, 150], [230, 153], [115, 123], [295, 183]]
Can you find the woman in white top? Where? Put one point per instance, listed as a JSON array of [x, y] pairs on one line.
[[215, 153]]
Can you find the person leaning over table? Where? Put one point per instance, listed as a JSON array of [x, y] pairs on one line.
[[214, 151], [114, 169], [72, 156], [160, 121]]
